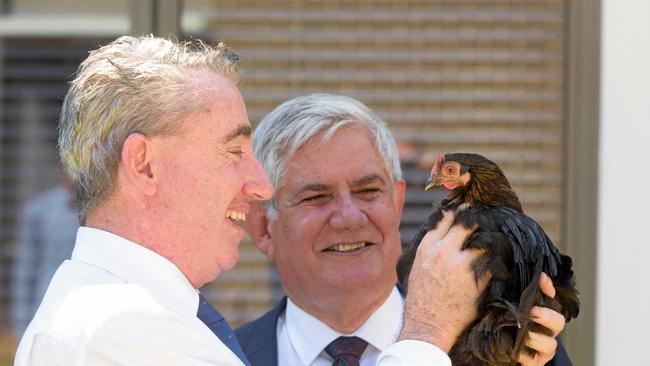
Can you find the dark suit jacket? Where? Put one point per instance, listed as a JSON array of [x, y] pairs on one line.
[[259, 340]]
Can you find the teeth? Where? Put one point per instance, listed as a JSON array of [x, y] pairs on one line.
[[236, 215], [346, 247]]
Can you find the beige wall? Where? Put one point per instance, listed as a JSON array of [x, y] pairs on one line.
[[623, 291]]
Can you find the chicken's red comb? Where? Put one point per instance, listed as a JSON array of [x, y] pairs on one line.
[[437, 164]]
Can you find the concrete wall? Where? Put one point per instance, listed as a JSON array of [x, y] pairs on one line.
[[623, 279]]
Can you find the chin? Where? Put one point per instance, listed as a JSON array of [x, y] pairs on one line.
[[228, 264], [366, 277]]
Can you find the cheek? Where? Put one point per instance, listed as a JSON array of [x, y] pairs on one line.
[[221, 186], [385, 216], [298, 234], [299, 238], [387, 220]]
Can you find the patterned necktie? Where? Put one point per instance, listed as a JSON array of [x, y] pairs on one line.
[[218, 325], [346, 350]]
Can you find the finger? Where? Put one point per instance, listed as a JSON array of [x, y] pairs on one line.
[[468, 259], [545, 346], [456, 237], [526, 359], [462, 207], [442, 228], [546, 285], [548, 318]]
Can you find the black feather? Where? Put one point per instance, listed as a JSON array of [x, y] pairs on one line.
[[517, 250]]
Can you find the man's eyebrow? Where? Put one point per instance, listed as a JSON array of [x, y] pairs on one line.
[[367, 179], [243, 130], [319, 187], [313, 187]]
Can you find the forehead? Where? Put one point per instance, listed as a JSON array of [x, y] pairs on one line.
[[223, 108], [346, 157]]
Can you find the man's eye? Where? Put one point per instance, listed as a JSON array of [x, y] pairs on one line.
[[237, 152], [313, 198], [368, 192]]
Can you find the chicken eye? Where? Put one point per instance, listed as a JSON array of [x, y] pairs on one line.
[[450, 169]]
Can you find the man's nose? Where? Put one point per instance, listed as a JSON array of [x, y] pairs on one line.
[[258, 186], [348, 215]]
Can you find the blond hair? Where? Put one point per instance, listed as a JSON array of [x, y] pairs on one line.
[[134, 84]]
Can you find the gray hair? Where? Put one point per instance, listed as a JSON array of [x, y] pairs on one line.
[[134, 84], [297, 121]]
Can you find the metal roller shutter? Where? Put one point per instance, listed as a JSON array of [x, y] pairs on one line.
[[34, 72], [470, 75]]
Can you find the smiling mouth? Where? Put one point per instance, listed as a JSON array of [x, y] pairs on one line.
[[236, 215], [347, 248]]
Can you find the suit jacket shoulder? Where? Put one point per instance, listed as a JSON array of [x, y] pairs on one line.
[[258, 338]]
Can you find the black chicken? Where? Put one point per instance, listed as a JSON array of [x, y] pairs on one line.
[[516, 252]]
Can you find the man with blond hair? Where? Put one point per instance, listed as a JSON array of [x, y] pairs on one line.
[[155, 138]]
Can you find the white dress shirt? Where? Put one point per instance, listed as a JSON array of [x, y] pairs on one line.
[[302, 339], [118, 303]]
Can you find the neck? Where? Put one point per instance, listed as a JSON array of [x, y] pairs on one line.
[[491, 194], [134, 221], [346, 312], [118, 216]]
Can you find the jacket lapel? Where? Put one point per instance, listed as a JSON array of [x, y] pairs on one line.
[[259, 340]]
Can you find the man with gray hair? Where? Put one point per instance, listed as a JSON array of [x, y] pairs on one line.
[[155, 138], [332, 231]]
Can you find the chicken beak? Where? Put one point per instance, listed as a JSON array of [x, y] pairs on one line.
[[432, 182]]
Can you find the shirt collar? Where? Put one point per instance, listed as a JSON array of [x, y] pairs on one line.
[[138, 265], [309, 336]]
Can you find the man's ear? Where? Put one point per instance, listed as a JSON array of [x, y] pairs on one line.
[[136, 164], [399, 195], [257, 226]]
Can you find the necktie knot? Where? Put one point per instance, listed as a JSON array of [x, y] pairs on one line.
[[346, 350]]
